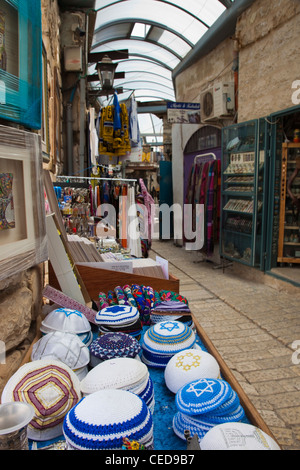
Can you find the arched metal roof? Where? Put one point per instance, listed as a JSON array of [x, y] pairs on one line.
[[158, 35]]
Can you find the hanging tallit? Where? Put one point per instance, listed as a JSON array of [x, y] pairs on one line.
[[134, 134], [94, 141], [134, 241]]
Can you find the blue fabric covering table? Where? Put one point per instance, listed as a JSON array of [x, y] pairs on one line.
[[164, 411]]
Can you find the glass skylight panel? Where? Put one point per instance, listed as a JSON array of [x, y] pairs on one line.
[[159, 13], [206, 10], [140, 30], [169, 40], [145, 77], [150, 85], [144, 65], [150, 124], [172, 26], [151, 95], [111, 32], [142, 48]]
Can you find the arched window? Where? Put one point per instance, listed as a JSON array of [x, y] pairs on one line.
[[207, 137]]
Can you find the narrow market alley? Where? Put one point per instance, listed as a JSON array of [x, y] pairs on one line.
[[253, 326], [149, 225]]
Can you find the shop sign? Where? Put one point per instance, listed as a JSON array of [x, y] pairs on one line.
[[184, 113]]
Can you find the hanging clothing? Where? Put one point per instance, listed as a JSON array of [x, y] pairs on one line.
[[133, 117], [106, 135], [204, 187], [134, 243], [93, 138], [114, 130]]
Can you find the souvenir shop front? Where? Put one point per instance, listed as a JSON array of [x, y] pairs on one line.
[[260, 194], [202, 183], [246, 175]]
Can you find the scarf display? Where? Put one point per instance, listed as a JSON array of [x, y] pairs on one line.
[[204, 188], [114, 130]]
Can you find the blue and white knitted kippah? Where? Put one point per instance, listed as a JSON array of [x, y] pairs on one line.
[[228, 406], [148, 395], [210, 419], [111, 345], [101, 420], [181, 423], [169, 337], [117, 315], [202, 396]]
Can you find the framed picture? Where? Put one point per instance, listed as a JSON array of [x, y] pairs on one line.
[[23, 240], [21, 62], [57, 119], [45, 109]]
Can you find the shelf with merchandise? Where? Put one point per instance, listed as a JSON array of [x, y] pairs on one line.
[[289, 218], [242, 192]]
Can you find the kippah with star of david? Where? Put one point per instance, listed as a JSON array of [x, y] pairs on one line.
[[202, 396]]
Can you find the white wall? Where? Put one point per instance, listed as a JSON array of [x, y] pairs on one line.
[[181, 133]]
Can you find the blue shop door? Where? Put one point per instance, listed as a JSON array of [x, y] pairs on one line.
[[166, 226]]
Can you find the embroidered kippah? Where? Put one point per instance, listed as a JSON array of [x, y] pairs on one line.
[[117, 315], [101, 420], [155, 360], [51, 387], [133, 329], [112, 345], [202, 396], [237, 436], [65, 347], [164, 339], [86, 338], [116, 373], [67, 320], [169, 337], [189, 365]]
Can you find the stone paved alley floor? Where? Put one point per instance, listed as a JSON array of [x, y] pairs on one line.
[[253, 325]]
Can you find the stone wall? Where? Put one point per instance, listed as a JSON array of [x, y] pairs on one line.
[[268, 34], [214, 67], [20, 308], [51, 23]]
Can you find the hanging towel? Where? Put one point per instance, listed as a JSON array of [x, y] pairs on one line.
[[134, 122], [117, 111]]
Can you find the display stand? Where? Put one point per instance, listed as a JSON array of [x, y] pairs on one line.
[[242, 193], [289, 219]]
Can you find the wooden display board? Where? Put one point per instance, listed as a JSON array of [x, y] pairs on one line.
[[102, 280]]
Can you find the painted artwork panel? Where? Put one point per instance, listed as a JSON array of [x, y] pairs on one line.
[[7, 214]]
